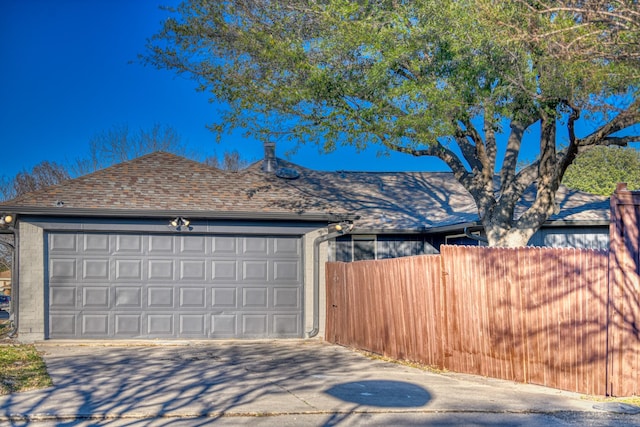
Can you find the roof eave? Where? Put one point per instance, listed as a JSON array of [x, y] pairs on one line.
[[192, 214]]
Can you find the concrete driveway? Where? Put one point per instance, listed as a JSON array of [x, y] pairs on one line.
[[276, 383]]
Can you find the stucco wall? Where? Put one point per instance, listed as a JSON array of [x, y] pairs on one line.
[[31, 298]]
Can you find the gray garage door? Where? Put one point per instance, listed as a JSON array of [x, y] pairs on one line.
[[103, 285]]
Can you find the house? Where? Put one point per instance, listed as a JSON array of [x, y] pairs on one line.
[[163, 247], [5, 282]]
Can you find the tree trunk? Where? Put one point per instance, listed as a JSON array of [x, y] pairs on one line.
[[507, 237]]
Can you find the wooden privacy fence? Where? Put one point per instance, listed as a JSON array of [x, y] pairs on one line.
[[563, 318], [531, 315], [623, 370]]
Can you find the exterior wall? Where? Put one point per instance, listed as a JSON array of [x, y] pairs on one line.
[[31, 298], [572, 237]]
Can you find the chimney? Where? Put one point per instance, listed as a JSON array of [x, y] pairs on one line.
[[269, 163]]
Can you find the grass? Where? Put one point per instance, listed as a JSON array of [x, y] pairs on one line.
[[5, 328], [632, 400], [375, 356], [21, 369]]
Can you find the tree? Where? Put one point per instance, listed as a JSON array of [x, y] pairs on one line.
[[43, 175], [598, 171], [231, 161], [119, 144], [605, 31], [460, 80]]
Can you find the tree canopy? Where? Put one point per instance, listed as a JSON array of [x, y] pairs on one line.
[[598, 171], [120, 144], [42, 175], [471, 82]]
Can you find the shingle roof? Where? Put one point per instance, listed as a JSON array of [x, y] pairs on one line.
[[383, 200], [419, 200], [164, 181]]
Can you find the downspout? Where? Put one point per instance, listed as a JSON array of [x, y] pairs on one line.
[[316, 275], [15, 279]]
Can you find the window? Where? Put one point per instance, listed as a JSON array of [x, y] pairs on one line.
[[364, 247]]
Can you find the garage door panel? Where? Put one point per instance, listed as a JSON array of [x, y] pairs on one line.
[[285, 271], [224, 326], [160, 324], [254, 325], [128, 297], [128, 325], [63, 325], [128, 269], [61, 243], [95, 269], [193, 244], [128, 244], [110, 285], [193, 325], [255, 270], [224, 298], [62, 269], [255, 246], [286, 325], [253, 298], [161, 244], [161, 269], [192, 297], [96, 297], [62, 297], [95, 325], [96, 243], [287, 297], [286, 247], [224, 246], [160, 297], [193, 270], [224, 271]]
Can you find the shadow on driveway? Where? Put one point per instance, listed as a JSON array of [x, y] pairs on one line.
[[212, 380], [260, 383]]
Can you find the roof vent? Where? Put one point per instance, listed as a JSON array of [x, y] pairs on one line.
[[269, 162], [287, 173]]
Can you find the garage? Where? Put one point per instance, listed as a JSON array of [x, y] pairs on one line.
[[124, 285]]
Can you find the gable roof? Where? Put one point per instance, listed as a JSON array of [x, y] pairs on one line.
[[163, 184]]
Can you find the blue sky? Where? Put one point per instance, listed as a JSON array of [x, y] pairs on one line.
[[70, 71]]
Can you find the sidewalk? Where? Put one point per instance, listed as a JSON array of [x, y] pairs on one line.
[[278, 383]]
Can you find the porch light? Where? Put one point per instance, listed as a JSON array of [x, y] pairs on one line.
[[6, 219], [179, 222], [341, 227]]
